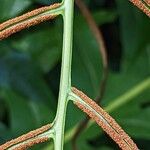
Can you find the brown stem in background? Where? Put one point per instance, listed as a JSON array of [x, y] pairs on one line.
[[94, 28], [99, 38], [143, 5], [105, 121], [27, 140]]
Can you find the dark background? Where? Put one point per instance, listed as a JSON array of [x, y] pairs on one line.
[[30, 63]]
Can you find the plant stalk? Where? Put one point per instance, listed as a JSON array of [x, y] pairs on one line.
[[65, 80]]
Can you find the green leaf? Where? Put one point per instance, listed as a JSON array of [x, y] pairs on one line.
[[44, 45], [104, 16], [134, 116], [24, 77], [134, 25], [86, 59], [24, 115], [21, 116]]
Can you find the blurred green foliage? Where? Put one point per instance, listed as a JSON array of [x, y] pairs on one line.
[[30, 70]]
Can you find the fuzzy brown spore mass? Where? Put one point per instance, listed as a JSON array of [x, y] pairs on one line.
[[25, 137], [142, 6], [110, 126], [25, 21], [28, 15], [31, 143], [16, 28]]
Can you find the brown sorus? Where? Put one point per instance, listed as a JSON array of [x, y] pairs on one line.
[[29, 19], [147, 2], [108, 124], [18, 27], [142, 6], [28, 15], [24, 137], [26, 145]]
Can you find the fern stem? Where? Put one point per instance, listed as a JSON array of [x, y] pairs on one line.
[[65, 81]]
